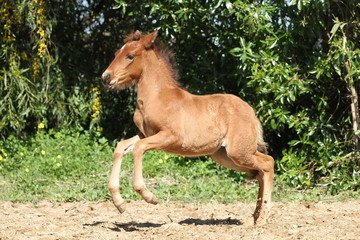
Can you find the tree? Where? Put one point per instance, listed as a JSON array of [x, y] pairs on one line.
[[33, 87], [279, 56], [296, 62]]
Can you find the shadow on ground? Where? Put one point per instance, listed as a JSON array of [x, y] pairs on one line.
[[140, 226]]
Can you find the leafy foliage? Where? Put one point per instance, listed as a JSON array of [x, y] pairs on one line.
[[281, 59], [32, 85], [296, 62]]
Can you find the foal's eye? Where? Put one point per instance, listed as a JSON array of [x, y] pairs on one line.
[[130, 57]]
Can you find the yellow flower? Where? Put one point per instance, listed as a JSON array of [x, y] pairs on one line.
[[41, 32], [161, 161], [40, 11], [5, 154], [166, 157], [10, 39], [41, 125], [43, 152], [21, 153], [95, 90], [36, 67], [24, 56], [59, 156], [12, 63], [1, 158], [42, 45], [27, 170], [58, 164]]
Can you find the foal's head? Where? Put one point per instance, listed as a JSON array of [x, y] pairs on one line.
[[126, 68]]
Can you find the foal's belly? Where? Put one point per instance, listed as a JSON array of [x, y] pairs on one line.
[[193, 151], [199, 140]]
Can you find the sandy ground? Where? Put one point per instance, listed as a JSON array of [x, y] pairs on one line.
[[100, 220]]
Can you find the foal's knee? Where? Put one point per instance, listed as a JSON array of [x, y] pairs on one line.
[[113, 187], [138, 187], [120, 149]]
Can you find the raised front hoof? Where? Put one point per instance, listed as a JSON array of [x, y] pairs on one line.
[[152, 200], [148, 196], [120, 206], [121, 209]]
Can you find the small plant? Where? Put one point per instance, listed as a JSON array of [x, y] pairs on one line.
[[72, 165], [69, 165], [62, 165]]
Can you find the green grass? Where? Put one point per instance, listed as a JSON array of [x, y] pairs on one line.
[[75, 165]]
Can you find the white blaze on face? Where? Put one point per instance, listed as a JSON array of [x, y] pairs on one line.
[[122, 48]]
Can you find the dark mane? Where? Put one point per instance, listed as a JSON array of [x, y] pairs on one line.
[[135, 36], [163, 50], [169, 57]]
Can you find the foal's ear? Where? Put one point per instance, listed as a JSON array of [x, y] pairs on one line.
[[149, 39]]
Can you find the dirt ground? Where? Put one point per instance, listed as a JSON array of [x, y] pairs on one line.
[[100, 220]]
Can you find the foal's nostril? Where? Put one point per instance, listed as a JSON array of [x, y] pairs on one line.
[[106, 78]]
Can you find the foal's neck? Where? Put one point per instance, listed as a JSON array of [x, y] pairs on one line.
[[156, 77]]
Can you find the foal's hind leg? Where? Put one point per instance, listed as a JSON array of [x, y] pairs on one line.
[[264, 165], [263, 169], [122, 148], [244, 154], [222, 158], [265, 178]]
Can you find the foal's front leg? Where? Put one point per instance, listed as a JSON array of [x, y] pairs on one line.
[[155, 142], [122, 148]]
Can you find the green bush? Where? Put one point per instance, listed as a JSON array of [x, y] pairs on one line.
[[33, 86], [295, 63]]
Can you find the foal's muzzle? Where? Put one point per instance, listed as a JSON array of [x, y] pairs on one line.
[[106, 78]]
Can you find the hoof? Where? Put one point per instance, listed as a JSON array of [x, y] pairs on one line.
[[148, 196], [153, 200], [260, 222], [121, 209], [120, 206], [248, 222]]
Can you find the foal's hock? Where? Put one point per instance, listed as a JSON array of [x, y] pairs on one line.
[[171, 119]]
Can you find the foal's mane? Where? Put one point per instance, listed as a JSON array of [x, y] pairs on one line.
[[164, 52]]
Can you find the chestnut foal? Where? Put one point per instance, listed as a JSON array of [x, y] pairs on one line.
[[173, 120]]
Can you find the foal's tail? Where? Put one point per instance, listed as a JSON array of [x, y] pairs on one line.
[[261, 145]]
